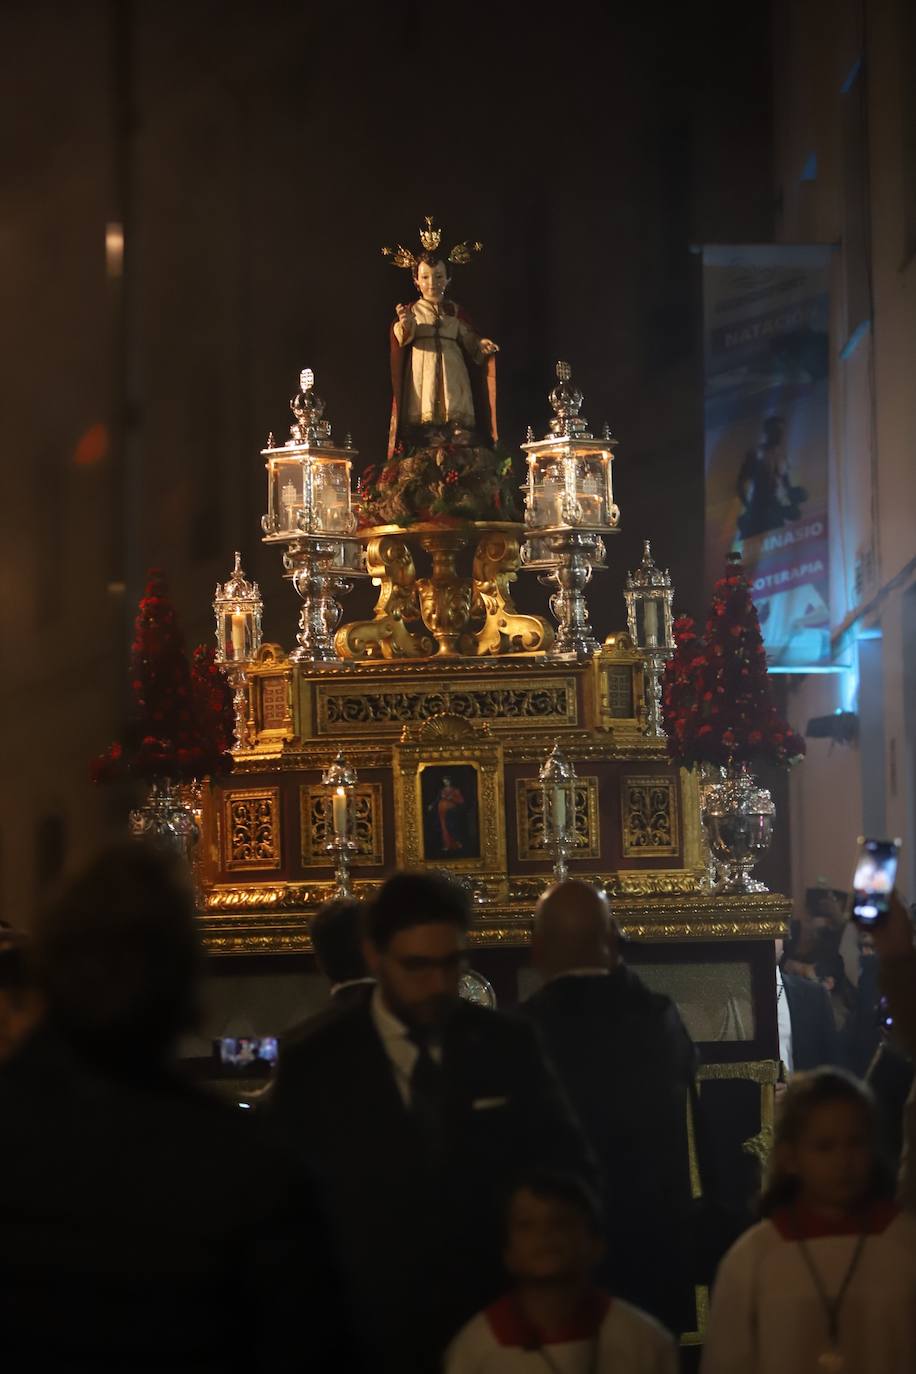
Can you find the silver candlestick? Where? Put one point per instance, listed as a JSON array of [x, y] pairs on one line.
[[340, 782], [237, 606], [321, 570], [649, 594], [558, 791], [569, 558]]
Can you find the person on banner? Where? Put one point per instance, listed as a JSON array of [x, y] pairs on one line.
[[827, 1280], [768, 494]]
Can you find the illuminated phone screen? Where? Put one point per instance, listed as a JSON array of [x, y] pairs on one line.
[[873, 882]]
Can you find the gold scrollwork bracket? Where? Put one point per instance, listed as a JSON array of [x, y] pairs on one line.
[[504, 630], [396, 631]]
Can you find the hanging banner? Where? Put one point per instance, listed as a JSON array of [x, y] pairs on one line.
[[766, 418]]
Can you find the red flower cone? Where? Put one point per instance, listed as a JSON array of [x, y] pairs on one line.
[[717, 703]]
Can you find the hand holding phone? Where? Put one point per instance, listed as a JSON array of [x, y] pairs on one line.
[[894, 935], [873, 881]]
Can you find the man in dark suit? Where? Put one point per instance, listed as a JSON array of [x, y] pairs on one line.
[[416, 1111], [807, 1028], [627, 1063], [142, 1224], [337, 939]]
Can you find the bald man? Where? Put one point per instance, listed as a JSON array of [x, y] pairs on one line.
[[627, 1064]]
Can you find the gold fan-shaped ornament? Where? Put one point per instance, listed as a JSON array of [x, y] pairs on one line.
[[430, 239]]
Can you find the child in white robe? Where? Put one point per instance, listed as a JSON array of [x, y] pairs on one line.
[[827, 1281], [554, 1321]]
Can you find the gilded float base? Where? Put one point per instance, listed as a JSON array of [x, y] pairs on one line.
[[455, 611], [274, 918]]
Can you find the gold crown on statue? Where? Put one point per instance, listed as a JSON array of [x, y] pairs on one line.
[[430, 238]]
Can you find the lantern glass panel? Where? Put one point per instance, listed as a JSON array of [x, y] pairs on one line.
[[592, 491], [332, 496], [237, 635], [287, 497], [564, 483], [653, 625], [559, 803], [339, 805]]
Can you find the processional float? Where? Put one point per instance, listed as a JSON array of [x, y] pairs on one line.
[[451, 731]]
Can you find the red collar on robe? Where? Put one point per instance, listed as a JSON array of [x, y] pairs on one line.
[[511, 1326], [800, 1223]]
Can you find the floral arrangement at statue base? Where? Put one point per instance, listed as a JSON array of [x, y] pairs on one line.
[[446, 478], [180, 727], [719, 714]]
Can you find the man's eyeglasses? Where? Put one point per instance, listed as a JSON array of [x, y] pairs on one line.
[[420, 963]]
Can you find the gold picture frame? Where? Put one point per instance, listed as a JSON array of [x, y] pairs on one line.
[[448, 782]]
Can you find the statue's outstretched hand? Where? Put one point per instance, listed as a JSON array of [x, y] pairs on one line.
[[405, 314], [488, 347]]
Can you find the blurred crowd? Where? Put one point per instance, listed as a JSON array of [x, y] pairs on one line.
[[430, 1184]]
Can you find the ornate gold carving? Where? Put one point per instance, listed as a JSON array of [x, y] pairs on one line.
[[271, 655], [759, 1145], [762, 1071], [346, 709], [396, 631], [445, 597], [701, 1292], [617, 677], [695, 852], [529, 815], [657, 882], [275, 712], [252, 829], [648, 816], [316, 829], [446, 727], [701, 1302], [619, 699], [504, 631]]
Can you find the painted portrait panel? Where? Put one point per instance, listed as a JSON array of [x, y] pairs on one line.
[[449, 807]]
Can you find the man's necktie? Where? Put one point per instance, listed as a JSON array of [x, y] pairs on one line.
[[427, 1095]]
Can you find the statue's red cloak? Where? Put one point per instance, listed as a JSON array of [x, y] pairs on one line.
[[483, 386]]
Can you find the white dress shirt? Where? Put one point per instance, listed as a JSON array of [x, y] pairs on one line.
[[395, 1037], [784, 1021]]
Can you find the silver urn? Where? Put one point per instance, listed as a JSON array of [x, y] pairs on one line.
[[168, 817], [738, 821]]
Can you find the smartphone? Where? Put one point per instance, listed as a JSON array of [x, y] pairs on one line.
[[246, 1051], [873, 881]]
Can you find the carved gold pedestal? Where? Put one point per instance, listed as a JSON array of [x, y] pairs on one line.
[[464, 608], [445, 597]]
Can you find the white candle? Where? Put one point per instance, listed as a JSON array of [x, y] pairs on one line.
[[290, 498], [651, 624], [339, 813], [239, 628], [559, 810]]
